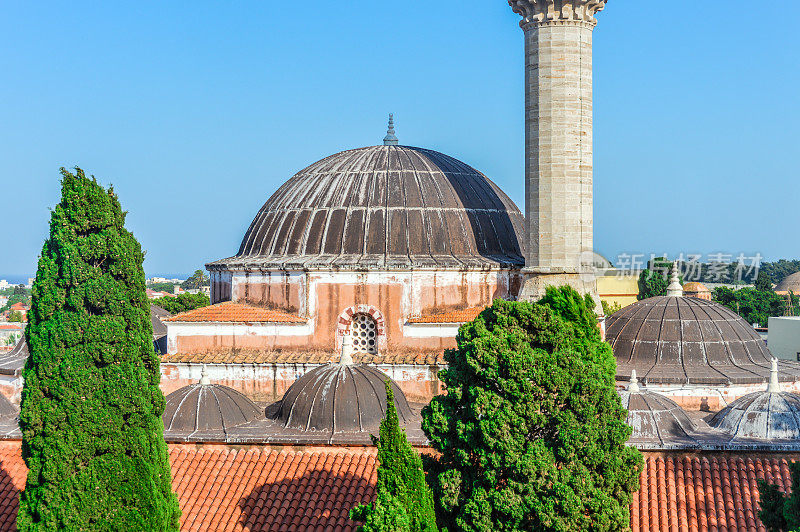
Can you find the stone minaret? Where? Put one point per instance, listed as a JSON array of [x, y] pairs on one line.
[[558, 142]]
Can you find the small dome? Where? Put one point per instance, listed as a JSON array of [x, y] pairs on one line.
[[767, 415], [388, 206], [208, 407], [687, 340], [657, 421], [340, 398], [789, 283]]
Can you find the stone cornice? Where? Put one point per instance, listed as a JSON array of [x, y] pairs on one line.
[[557, 11]]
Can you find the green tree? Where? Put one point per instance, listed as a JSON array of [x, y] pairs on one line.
[[652, 284], [610, 308], [763, 282], [163, 287], [756, 306], [197, 280], [780, 512], [531, 432], [91, 407], [182, 303], [403, 499], [15, 316]]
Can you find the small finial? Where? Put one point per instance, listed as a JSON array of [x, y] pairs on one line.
[[674, 289], [774, 386], [204, 380], [347, 351], [633, 385], [390, 139]]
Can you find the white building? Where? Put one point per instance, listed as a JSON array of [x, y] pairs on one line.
[[784, 337]]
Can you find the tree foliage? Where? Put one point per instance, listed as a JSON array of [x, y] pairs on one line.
[[763, 282], [610, 308], [91, 407], [403, 499], [197, 279], [183, 302], [15, 316], [780, 512], [756, 306], [531, 431], [652, 284]]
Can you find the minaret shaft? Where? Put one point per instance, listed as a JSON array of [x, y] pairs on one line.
[[558, 143]]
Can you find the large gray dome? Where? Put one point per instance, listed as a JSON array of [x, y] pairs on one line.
[[339, 398], [384, 206], [686, 340]]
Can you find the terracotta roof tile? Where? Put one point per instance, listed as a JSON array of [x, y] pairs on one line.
[[455, 316], [235, 313], [230, 488]]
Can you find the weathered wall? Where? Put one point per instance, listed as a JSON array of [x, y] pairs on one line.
[[325, 297], [268, 382]]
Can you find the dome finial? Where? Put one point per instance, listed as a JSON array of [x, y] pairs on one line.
[[390, 139], [674, 289], [633, 385], [774, 386], [204, 380], [347, 351]]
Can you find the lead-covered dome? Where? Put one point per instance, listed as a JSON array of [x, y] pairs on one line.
[[686, 340], [206, 407], [339, 398], [790, 283], [384, 206], [657, 421]]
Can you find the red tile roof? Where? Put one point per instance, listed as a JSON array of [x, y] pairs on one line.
[[225, 488], [456, 316], [19, 306], [257, 488], [235, 313], [10, 327]]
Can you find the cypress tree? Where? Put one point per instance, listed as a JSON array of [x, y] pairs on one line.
[[403, 499], [91, 407], [531, 432]]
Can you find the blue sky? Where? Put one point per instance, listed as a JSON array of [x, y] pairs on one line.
[[197, 112]]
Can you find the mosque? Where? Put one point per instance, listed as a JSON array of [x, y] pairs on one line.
[[364, 264]]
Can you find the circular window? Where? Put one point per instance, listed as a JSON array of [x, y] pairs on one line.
[[364, 330]]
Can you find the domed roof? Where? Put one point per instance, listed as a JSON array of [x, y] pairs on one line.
[[657, 421], [789, 283], [340, 398], [207, 407], [686, 340], [388, 207], [768, 415]]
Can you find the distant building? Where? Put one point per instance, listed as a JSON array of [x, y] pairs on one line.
[[4, 284], [616, 286], [784, 337], [152, 294], [698, 290]]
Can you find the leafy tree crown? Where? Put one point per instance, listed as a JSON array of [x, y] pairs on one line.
[[91, 407], [531, 432]]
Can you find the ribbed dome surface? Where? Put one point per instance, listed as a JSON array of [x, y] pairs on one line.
[[686, 340], [761, 415], [209, 407], [657, 421], [384, 206], [336, 398], [789, 283], [7, 409]]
